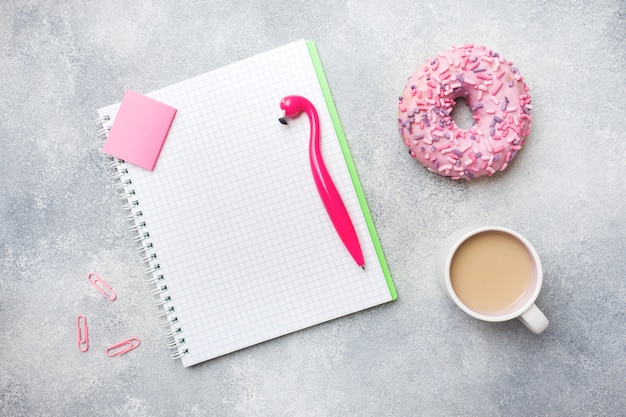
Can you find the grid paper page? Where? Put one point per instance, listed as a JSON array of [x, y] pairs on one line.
[[245, 246]]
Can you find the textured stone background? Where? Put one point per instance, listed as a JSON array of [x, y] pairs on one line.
[[60, 217]]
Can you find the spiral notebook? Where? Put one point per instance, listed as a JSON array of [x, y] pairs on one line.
[[237, 242]]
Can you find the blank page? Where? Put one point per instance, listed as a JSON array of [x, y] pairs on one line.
[[242, 240]]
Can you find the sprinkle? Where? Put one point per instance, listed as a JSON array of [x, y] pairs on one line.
[[497, 119], [444, 167], [480, 69], [494, 100], [511, 109], [505, 103], [473, 65], [457, 153], [498, 149], [496, 88]]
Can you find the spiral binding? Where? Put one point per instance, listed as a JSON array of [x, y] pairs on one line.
[[123, 183]]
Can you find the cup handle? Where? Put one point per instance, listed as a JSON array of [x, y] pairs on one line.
[[534, 319]]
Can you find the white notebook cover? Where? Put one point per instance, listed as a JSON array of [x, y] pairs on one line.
[[239, 243]]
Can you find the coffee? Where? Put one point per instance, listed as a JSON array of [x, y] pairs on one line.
[[491, 271]]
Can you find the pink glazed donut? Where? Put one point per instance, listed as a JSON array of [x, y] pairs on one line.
[[495, 92]]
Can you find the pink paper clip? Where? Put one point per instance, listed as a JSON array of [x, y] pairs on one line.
[[123, 347], [102, 286], [82, 333]]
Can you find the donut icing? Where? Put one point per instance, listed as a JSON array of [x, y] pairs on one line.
[[496, 93]]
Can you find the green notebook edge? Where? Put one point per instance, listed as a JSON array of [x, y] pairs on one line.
[[330, 104]]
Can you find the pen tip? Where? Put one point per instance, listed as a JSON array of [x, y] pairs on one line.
[[363, 266], [283, 120]]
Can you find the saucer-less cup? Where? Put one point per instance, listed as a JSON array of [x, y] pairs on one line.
[[493, 274]]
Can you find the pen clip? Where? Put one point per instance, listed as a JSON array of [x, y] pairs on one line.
[[102, 286]]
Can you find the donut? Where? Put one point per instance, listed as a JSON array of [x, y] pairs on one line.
[[495, 92]]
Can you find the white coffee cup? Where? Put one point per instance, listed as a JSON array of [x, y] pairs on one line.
[[493, 274]]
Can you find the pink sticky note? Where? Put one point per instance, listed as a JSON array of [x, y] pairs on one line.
[[139, 130]]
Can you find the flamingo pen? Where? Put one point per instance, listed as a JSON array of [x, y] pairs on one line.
[[292, 106]]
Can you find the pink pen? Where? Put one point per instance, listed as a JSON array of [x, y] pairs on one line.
[[292, 106]]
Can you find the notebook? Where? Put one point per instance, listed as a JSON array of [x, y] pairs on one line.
[[237, 242]]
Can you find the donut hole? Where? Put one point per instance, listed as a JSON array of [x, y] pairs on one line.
[[462, 114]]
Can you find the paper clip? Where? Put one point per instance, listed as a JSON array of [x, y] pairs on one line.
[[123, 347], [102, 286], [82, 333]]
